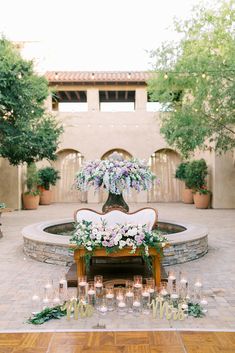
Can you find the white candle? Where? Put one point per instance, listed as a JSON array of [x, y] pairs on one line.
[[163, 292], [103, 309], [183, 281], [145, 294], [35, 298], [82, 284], [121, 305], [184, 306], [109, 296], [203, 302], [98, 285], [198, 284], [174, 296], [136, 303], [171, 278], [56, 300], [137, 285], [129, 294], [47, 286], [119, 297], [151, 290], [91, 292]]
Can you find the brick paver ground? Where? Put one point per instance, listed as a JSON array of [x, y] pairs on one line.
[[18, 274]]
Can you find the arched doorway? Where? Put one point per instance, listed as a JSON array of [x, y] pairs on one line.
[[163, 163], [132, 195], [68, 163]]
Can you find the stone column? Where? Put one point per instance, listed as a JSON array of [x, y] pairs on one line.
[[140, 99], [93, 100]]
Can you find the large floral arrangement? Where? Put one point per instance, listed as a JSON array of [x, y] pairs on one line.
[[115, 175], [93, 236]]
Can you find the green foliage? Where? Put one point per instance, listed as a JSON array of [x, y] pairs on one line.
[[48, 176], [195, 81], [27, 133], [195, 174], [180, 172], [47, 314], [32, 179], [2, 205], [195, 310]]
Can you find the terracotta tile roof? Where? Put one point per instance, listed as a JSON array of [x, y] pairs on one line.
[[98, 76]]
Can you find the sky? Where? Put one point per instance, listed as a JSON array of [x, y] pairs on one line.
[[91, 34]]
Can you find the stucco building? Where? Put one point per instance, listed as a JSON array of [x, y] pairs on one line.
[[106, 111]]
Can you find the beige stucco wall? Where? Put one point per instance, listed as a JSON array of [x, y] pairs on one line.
[[93, 133], [10, 184]]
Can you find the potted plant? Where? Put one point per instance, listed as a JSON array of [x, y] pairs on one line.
[[47, 177], [180, 174], [31, 196], [196, 173]]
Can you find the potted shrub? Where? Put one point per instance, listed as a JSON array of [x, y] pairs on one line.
[[180, 174], [196, 173], [31, 196], [47, 177]]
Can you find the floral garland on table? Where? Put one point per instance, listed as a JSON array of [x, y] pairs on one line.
[[115, 175], [93, 236]]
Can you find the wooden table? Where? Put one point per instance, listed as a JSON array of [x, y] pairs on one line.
[[79, 258]]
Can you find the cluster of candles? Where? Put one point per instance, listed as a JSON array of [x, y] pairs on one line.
[[51, 293], [135, 297]]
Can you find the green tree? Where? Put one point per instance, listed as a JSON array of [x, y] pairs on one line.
[[27, 133], [195, 81]]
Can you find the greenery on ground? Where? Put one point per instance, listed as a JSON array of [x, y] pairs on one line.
[[195, 81], [27, 133], [47, 314]]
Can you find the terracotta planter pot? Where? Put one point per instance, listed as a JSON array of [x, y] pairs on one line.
[[45, 197], [30, 202], [187, 195], [201, 200]]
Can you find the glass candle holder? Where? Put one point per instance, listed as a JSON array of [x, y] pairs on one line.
[[119, 294], [48, 288], [171, 281], [45, 302], [129, 294], [121, 305], [109, 294], [91, 293], [137, 305], [145, 300], [163, 290], [150, 284], [98, 284], [82, 286], [102, 308], [56, 297], [204, 304], [36, 306], [63, 286], [197, 289], [138, 281]]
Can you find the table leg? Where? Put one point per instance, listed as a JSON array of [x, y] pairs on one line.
[[157, 270]]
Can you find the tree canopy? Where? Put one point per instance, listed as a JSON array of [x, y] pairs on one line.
[[195, 81], [27, 133]]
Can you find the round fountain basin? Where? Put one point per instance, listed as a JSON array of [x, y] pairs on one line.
[[43, 243]]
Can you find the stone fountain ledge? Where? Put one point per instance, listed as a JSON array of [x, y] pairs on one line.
[[190, 244]]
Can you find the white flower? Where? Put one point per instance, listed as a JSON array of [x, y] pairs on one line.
[[122, 244], [98, 236], [89, 248]]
